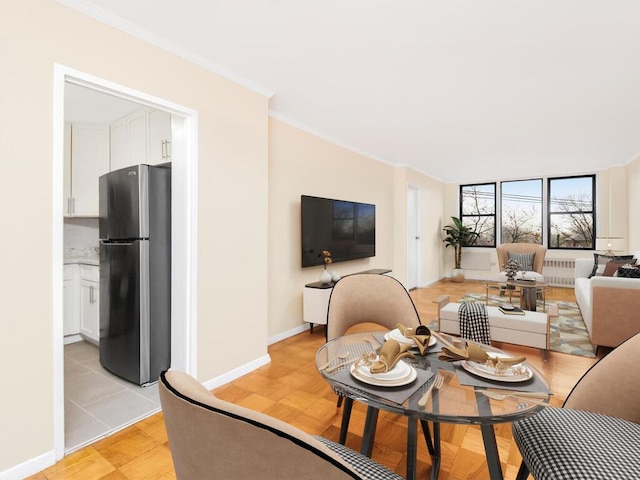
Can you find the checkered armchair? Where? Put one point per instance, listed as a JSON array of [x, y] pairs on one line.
[[212, 439], [596, 434]]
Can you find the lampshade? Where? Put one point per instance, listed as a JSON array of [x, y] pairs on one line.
[[610, 245]]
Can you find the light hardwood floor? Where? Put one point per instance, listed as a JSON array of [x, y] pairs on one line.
[[290, 388]]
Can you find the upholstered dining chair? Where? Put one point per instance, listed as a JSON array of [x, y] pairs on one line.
[[213, 439], [530, 256], [366, 298], [596, 433]]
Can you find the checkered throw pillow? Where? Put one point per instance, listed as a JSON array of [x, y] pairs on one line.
[[367, 468], [566, 444], [474, 322]]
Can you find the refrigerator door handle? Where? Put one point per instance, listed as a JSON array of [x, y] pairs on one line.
[[115, 244]]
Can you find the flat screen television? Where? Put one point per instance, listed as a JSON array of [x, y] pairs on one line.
[[346, 229]]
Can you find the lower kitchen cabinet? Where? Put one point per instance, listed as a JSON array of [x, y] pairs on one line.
[[89, 302], [81, 303]]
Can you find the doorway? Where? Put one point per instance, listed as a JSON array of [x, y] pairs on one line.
[[414, 237], [183, 229]]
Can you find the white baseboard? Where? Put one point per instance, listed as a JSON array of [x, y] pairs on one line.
[[237, 372], [289, 333], [29, 467]]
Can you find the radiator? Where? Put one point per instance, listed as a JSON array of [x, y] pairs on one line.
[[476, 260], [559, 272]]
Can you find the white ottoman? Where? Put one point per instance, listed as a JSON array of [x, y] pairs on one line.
[[530, 329]]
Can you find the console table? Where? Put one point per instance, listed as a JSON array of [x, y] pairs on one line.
[[315, 299]]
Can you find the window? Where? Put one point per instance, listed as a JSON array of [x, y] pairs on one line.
[[478, 211], [521, 212], [571, 212]]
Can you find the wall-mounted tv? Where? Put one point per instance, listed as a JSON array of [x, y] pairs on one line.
[[346, 229]]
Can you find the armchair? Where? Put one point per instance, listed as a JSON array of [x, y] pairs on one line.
[[596, 434], [532, 251], [212, 439]]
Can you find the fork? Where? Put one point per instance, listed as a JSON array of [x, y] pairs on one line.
[[437, 384]]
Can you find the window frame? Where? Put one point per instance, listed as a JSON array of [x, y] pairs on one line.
[[495, 210], [592, 212], [542, 205], [546, 213]]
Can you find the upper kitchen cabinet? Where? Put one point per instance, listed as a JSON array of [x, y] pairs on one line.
[[142, 137], [86, 157]]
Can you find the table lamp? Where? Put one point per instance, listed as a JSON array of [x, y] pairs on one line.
[[610, 245]]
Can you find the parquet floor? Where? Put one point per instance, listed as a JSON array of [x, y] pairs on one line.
[[290, 388]]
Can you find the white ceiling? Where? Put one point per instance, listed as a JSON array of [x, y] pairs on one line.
[[462, 90]]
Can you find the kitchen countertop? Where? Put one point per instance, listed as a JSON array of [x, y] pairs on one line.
[[86, 256]]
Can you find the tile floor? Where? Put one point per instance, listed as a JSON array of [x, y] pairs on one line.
[[96, 402]]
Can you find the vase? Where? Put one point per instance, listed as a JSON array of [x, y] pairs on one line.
[[334, 276], [457, 275], [325, 277]]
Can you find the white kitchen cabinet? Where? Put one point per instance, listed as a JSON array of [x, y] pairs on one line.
[[159, 127], [119, 140], [88, 159], [137, 133], [71, 321], [90, 302], [142, 137]]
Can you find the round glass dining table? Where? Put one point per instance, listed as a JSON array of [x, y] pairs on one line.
[[462, 398]]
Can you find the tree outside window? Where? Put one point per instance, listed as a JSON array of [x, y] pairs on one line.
[[571, 212], [521, 211], [478, 212]]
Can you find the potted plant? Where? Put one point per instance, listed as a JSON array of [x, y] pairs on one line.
[[458, 236]]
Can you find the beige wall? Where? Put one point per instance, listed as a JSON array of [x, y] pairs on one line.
[[232, 173], [633, 205], [302, 164]]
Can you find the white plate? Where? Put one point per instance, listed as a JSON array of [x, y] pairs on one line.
[[397, 335], [399, 371], [507, 306], [489, 373], [381, 383]]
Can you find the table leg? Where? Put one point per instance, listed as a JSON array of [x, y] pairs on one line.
[[528, 298], [412, 444], [370, 423], [346, 416], [489, 440], [491, 452], [433, 447]]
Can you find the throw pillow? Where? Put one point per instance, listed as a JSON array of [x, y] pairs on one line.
[[612, 266], [525, 260], [600, 260], [629, 271]]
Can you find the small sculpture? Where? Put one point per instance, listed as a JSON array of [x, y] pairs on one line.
[[511, 269]]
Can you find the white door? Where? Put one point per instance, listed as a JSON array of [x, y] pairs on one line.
[[414, 242]]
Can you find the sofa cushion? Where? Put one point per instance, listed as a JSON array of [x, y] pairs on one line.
[[612, 266], [561, 443], [628, 271], [600, 261], [525, 260]]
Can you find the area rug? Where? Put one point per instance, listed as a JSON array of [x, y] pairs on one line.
[[567, 331]]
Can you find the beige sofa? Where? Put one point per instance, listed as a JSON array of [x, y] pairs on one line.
[[610, 306]]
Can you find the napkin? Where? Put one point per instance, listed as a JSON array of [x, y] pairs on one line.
[[475, 353], [421, 335], [389, 354]]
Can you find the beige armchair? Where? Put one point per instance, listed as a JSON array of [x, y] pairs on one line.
[[361, 299], [538, 251], [212, 439]]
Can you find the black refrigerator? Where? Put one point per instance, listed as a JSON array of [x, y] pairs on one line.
[[135, 272]]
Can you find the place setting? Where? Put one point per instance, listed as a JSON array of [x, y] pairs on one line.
[[478, 367], [386, 374]]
